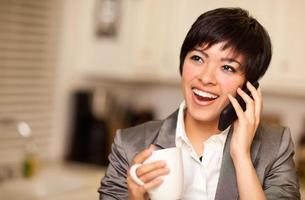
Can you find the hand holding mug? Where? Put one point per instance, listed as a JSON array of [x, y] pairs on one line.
[[172, 183], [148, 175]]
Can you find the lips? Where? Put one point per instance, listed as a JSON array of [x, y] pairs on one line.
[[204, 94]]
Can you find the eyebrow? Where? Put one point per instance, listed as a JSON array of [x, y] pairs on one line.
[[222, 59], [231, 60]]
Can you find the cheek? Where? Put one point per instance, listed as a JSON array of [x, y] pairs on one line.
[[188, 73], [229, 86]]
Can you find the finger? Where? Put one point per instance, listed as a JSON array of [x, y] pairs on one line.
[[260, 107], [255, 93], [250, 105], [259, 92], [153, 184], [143, 155], [154, 174], [239, 111], [257, 96], [134, 189], [150, 167], [249, 101]]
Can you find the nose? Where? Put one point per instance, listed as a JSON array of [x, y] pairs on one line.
[[207, 76]]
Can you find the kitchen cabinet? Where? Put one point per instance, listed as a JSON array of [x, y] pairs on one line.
[[286, 73], [90, 55], [137, 53], [149, 35]]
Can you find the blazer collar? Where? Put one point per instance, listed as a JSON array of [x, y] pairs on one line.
[[227, 183], [167, 132]]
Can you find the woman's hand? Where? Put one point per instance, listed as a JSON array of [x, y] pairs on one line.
[[243, 134], [247, 123], [148, 173]]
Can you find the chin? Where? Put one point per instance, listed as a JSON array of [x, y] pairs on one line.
[[203, 115]]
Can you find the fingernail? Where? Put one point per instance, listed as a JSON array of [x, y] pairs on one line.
[[163, 162], [159, 180], [152, 146]]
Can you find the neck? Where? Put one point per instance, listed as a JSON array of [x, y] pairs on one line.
[[198, 130]]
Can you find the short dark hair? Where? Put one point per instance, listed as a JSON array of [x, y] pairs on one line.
[[241, 32]]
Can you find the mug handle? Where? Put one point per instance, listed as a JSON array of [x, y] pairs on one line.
[[133, 174]]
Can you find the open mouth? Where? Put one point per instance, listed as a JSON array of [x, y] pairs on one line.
[[204, 96]]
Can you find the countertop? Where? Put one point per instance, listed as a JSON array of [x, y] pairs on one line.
[[56, 181]]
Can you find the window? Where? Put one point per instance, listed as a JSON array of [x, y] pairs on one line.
[[27, 68]]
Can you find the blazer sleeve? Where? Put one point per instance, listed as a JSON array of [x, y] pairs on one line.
[[114, 184], [281, 181]]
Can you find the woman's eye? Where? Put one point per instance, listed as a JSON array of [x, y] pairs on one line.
[[229, 68], [197, 58]]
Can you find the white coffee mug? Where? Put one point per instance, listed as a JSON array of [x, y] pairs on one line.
[[172, 186]]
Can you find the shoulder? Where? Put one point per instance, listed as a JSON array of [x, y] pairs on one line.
[[272, 134], [140, 134], [139, 131], [275, 140], [134, 139]]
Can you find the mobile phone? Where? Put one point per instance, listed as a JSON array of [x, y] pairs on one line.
[[228, 114]]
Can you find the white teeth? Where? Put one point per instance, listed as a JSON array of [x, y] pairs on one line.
[[204, 94]]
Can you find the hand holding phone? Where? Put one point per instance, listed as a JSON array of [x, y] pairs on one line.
[[228, 115]]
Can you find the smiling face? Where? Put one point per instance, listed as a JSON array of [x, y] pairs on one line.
[[208, 76]]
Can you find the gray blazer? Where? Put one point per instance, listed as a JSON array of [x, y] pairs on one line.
[[271, 152]]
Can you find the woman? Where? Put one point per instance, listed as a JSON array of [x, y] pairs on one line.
[[224, 50]]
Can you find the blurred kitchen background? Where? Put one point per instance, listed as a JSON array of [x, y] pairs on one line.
[[74, 71]]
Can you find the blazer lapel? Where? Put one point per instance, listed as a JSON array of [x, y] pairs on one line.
[[167, 132], [227, 183]]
